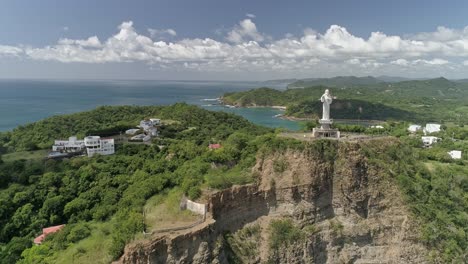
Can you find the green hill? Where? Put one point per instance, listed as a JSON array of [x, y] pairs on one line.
[[418, 100], [349, 109]]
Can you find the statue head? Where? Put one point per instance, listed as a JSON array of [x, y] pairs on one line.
[[327, 92]]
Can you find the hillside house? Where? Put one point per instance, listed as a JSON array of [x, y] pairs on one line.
[[47, 231], [429, 140], [431, 128], [155, 121], [455, 154], [132, 131], [145, 124], [149, 126], [214, 146], [414, 128], [68, 146], [97, 145]]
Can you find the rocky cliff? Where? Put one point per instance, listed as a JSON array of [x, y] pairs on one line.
[[343, 206]]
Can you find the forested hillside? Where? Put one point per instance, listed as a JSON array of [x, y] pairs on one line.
[[101, 198], [423, 100]]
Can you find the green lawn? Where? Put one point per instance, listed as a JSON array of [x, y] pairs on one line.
[[28, 155]]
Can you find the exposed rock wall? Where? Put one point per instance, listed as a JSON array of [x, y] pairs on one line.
[[356, 208]]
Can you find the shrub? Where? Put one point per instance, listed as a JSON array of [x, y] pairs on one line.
[[284, 233], [280, 165], [78, 232]]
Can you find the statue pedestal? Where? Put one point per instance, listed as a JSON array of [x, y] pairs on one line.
[[325, 130]]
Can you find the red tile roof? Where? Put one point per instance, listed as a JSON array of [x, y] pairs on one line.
[[46, 231], [214, 146], [38, 240]]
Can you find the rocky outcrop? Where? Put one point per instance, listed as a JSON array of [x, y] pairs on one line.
[[353, 205]]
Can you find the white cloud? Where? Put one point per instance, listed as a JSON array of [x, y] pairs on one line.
[[250, 15], [161, 33], [246, 30], [249, 50], [442, 34], [10, 51], [431, 62], [92, 42], [401, 62]]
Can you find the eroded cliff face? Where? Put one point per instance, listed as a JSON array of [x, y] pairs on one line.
[[352, 206]]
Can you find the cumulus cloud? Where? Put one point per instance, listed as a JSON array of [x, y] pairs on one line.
[[245, 48], [442, 34], [246, 30]]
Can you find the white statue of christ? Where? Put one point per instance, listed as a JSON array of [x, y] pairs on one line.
[[326, 99]]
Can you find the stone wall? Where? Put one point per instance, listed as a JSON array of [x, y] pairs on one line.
[[197, 208]]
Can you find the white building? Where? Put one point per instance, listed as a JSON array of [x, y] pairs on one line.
[[431, 128], [429, 140], [132, 131], [152, 131], [414, 128], [149, 126], [455, 154], [145, 124], [70, 145], [96, 145], [155, 121]]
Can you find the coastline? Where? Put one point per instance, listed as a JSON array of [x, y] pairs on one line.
[[299, 119], [279, 107], [338, 121]]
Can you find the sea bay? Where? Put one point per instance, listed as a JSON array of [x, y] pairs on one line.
[[25, 101]]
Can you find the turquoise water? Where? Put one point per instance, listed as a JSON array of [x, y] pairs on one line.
[[25, 101]]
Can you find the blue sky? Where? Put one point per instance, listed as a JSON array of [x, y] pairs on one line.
[[248, 40]]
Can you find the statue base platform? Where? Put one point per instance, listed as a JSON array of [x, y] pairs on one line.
[[325, 131]]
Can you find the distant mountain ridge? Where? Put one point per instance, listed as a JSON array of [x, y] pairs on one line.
[[338, 81], [349, 81]]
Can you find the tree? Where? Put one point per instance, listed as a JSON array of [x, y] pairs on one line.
[[11, 253]]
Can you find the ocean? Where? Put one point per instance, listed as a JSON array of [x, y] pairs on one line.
[[26, 101]]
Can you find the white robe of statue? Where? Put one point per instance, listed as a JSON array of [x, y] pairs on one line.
[[326, 99]]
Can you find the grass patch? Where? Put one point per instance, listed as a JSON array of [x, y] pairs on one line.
[[93, 249], [163, 211], [26, 155], [224, 178]]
